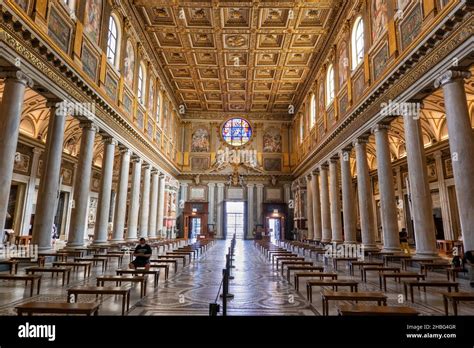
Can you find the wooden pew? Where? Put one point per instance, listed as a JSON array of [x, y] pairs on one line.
[[282, 255], [319, 275], [365, 269], [428, 266], [120, 279], [66, 271], [103, 261], [177, 257], [334, 283], [294, 263], [399, 276], [433, 283], [328, 295], [302, 268], [285, 259], [455, 298], [74, 265], [166, 261], [26, 279], [335, 261], [452, 272], [361, 264], [91, 308], [12, 265], [165, 267], [141, 271], [124, 291], [365, 310]]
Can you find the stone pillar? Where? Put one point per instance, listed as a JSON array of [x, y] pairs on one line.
[[400, 199], [325, 205], [366, 209], [153, 204], [309, 208], [48, 191], [161, 205], [134, 205], [30, 193], [105, 193], [443, 196], [121, 200], [287, 192], [250, 211], [336, 223], [388, 204], [420, 195], [259, 218], [82, 186], [220, 210], [145, 201], [211, 200], [461, 144], [10, 115], [317, 235], [348, 198]]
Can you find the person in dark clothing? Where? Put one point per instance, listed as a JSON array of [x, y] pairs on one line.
[[142, 255]]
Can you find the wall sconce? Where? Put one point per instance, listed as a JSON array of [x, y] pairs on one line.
[[275, 212]]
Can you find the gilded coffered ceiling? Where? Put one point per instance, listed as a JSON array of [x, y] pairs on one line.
[[236, 56]]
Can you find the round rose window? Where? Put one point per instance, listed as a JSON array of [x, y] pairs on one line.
[[236, 132]]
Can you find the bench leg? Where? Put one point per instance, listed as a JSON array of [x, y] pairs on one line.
[[445, 302], [455, 307]]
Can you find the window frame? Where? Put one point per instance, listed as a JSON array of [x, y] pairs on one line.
[[356, 37]]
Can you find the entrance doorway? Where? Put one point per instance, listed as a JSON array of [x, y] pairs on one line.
[[234, 220], [274, 229], [195, 227]]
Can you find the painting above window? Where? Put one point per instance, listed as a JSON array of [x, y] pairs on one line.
[[236, 132]]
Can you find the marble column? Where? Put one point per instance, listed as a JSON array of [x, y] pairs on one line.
[[153, 204], [30, 193], [121, 200], [461, 144], [48, 191], [348, 198], [145, 201], [287, 192], [161, 205], [388, 204], [134, 204], [105, 193], [309, 208], [10, 115], [366, 209], [259, 218], [335, 205], [250, 211], [325, 205], [220, 210], [400, 199], [211, 199], [419, 190], [79, 212], [443, 196], [317, 228]]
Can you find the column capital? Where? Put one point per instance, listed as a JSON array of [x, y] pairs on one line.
[[451, 76], [260, 185], [324, 166], [37, 150], [360, 141], [211, 184], [438, 154], [53, 102], [250, 185], [347, 149], [146, 166], [309, 177], [161, 175], [16, 74], [380, 127], [315, 172], [220, 184], [89, 126], [109, 140], [183, 184], [124, 150], [154, 171], [334, 159], [136, 159]]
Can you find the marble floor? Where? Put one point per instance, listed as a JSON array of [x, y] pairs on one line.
[[258, 289]]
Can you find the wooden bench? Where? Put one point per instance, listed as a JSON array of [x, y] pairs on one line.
[[66, 271], [120, 279], [365, 310], [328, 295], [141, 271], [427, 266], [87, 266], [91, 308], [166, 268], [26, 279], [455, 298], [365, 269], [124, 291], [319, 275], [284, 259], [276, 257], [399, 276], [40, 261], [12, 265], [119, 257], [302, 268], [409, 261], [166, 261], [335, 261], [452, 272], [433, 283], [334, 283], [294, 263], [176, 257], [95, 260], [362, 263], [395, 257]]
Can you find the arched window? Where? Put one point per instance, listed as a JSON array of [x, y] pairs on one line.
[[113, 42], [357, 42], [141, 84], [312, 111], [330, 86]]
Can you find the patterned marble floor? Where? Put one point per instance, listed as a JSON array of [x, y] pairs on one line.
[[258, 288]]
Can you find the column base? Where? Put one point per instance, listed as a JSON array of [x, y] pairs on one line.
[[47, 249], [351, 242], [427, 254], [337, 241], [325, 241], [100, 242], [369, 247], [74, 245], [392, 249]]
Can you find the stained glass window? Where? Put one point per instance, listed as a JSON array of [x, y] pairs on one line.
[[236, 132]]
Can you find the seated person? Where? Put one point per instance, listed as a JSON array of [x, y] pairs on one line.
[[142, 255]]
